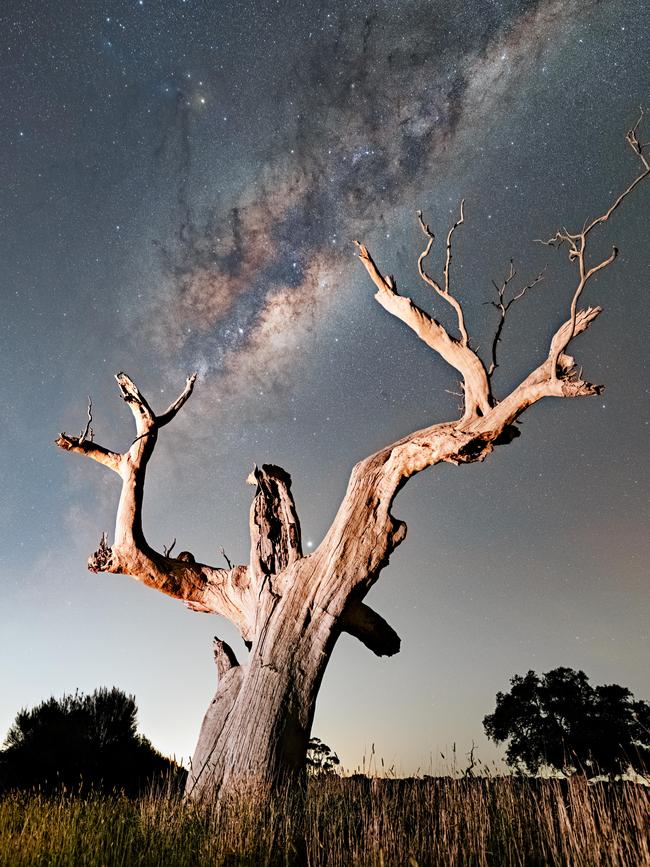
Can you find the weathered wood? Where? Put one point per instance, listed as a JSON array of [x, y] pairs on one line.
[[456, 353], [289, 608], [274, 524], [203, 763]]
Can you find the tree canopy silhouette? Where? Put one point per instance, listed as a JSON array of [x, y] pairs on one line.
[[79, 742], [559, 720], [321, 759]]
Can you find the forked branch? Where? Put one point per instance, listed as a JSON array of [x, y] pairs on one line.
[[456, 353], [233, 592], [202, 587], [503, 306], [577, 241], [485, 422], [222, 551], [444, 290]]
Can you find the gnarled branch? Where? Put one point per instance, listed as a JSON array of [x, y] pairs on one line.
[[485, 423], [444, 291], [233, 592], [458, 354], [90, 449], [174, 407], [364, 529], [201, 587], [577, 241]]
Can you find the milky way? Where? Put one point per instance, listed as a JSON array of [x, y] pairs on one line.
[[376, 114]]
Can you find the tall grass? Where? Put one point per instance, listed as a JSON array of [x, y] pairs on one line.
[[435, 821]]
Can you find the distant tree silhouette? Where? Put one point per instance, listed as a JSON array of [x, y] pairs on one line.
[[559, 721], [79, 742], [321, 759]]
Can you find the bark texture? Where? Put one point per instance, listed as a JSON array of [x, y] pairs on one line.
[[290, 608]]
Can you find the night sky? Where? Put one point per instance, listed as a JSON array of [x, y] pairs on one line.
[[181, 183]]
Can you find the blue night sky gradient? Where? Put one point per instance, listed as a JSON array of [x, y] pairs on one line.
[[181, 184]]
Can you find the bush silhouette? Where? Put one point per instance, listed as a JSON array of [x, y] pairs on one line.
[[82, 742], [559, 720]]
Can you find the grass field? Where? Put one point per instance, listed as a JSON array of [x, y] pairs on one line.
[[435, 821]]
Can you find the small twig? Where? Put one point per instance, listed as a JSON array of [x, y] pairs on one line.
[[444, 292], [503, 306], [225, 556], [472, 764], [459, 222], [88, 432], [167, 551], [147, 433]]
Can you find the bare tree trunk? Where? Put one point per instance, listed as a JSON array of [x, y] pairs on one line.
[[290, 608], [256, 731], [258, 726]]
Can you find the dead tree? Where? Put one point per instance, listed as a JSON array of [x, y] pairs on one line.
[[290, 608]]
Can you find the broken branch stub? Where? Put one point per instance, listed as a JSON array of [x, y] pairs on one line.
[[274, 523]]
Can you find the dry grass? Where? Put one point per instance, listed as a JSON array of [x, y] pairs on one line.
[[445, 821]]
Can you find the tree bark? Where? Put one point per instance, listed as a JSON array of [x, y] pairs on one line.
[[289, 608]]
